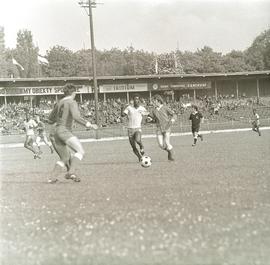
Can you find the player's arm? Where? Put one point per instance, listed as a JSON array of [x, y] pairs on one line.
[[145, 112], [74, 110], [34, 124], [151, 117], [52, 116], [124, 110], [172, 114], [201, 118]]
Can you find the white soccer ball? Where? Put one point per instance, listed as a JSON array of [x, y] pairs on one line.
[[146, 161]]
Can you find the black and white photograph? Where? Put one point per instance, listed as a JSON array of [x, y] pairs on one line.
[[135, 132]]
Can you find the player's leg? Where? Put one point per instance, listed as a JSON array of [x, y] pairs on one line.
[[138, 140], [160, 140], [45, 140], [169, 147], [63, 152], [195, 136], [258, 130], [38, 140], [74, 144], [52, 139], [200, 135], [132, 142], [254, 126], [28, 144]]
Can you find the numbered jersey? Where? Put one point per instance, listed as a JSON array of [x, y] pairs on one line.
[[65, 112]]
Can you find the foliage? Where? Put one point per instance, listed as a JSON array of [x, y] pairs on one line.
[[117, 62]]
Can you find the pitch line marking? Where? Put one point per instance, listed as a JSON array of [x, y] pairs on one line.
[[107, 139]]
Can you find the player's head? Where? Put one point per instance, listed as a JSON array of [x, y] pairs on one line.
[[194, 108], [136, 100], [157, 100], [69, 90]]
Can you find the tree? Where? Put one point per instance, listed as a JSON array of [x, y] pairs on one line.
[[257, 55], [62, 62], [5, 65], [235, 61], [210, 61], [26, 54]]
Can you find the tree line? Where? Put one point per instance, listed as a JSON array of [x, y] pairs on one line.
[[61, 61]]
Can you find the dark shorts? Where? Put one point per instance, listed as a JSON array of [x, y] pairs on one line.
[[132, 131], [62, 134], [195, 129]]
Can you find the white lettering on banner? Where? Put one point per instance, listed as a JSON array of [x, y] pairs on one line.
[[33, 91], [187, 85], [122, 88]]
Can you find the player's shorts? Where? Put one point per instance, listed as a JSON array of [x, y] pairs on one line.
[[41, 135], [62, 134], [30, 138], [195, 129], [132, 131], [255, 123]]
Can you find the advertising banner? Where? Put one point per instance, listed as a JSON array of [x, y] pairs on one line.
[[122, 88], [182, 86], [34, 91]]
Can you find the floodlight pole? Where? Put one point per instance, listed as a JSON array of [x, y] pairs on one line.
[[90, 5], [93, 52]]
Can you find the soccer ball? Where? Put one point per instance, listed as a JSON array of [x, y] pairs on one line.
[[146, 161]]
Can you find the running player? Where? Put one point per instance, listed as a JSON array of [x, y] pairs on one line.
[[256, 122], [164, 117], [135, 114], [42, 135], [196, 118], [64, 114], [29, 125]]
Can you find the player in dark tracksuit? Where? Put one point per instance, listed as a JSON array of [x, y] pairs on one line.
[[196, 117]]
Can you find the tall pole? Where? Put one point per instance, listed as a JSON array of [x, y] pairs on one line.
[[93, 52]]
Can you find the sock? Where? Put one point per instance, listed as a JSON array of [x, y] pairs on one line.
[[74, 162]]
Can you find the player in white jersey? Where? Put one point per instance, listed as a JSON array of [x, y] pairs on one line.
[[135, 115], [256, 122], [29, 125], [41, 136]]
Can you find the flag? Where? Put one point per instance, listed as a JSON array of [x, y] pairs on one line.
[[16, 63], [156, 66], [42, 60]]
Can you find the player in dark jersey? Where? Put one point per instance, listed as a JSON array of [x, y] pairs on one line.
[[196, 118], [41, 135], [63, 115], [164, 117]]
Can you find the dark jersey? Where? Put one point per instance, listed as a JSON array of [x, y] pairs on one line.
[[65, 112], [162, 117], [195, 119]]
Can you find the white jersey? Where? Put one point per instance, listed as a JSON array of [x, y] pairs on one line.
[[257, 118], [135, 116], [29, 127]]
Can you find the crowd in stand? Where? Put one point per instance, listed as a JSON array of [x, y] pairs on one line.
[[12, 115]]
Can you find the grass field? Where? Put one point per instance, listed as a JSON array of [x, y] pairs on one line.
[[209, 207]]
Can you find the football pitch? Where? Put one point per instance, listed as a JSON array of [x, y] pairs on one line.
[[209, 207]]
